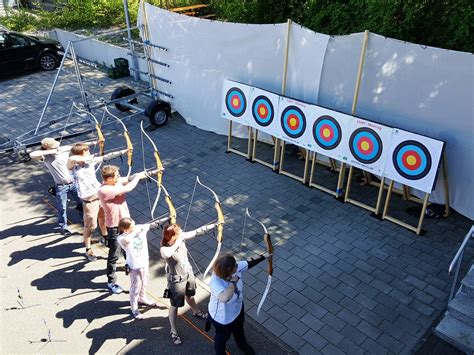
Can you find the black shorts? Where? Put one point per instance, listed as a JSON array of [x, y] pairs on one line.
[[180, 286]]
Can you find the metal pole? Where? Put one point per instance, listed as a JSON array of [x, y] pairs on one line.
[[79, 79], [52, 88], [136, 74]]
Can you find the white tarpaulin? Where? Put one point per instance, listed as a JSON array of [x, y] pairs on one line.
[[203, 53], [421, 89]]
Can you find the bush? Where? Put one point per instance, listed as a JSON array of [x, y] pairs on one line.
[[19, 21], [440, 23]]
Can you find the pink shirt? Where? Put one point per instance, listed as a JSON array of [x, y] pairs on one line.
[[112, 199]]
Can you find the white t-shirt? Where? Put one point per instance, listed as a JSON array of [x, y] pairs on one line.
[[137, 248], [86, 180], [57, 165], [225, 313]]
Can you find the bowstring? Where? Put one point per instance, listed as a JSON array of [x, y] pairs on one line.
[[190, 204], [243, 232], [146, 180], [184, 229]]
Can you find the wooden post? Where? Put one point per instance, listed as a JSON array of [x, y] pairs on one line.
[[276, 157], [385, 215], [276, 152], [342, 171], [236, 151], [447, 208]]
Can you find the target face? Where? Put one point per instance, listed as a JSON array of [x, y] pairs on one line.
[[327, 132], [365, 145], [262, 110], [412, 160], [293, 122], [235, 102]]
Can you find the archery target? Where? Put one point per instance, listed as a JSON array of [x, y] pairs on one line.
[[367, 145], [234, 105], [235, 102], [292, 121], [414, 160], [327, 132], [263, 110]]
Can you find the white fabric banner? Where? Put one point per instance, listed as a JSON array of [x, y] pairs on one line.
[[203, 53]]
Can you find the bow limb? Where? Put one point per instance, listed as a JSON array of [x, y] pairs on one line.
[[268, 242], [220, 226], [171, 209], [159, 174], [100, 135]]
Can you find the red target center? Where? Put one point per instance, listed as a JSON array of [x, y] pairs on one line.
[[262, 111], [365, 145], [326, 133], [235, 102], [411, 160], [293, 121]]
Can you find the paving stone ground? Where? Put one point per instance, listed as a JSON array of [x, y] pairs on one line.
[[343, 282]]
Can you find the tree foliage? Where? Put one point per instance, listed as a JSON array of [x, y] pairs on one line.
[[440, 23]]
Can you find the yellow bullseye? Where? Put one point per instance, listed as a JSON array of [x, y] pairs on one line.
[[235, 102], [262, 111], [411, 160], [326, 132], [293, 122], [365, 146]]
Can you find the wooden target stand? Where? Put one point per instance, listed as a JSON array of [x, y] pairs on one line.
[[375, 210], [230, 149], [281, 171], [418, 228], [332, 164], [276, 153]]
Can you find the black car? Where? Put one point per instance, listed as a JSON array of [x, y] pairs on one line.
[[19, 52]]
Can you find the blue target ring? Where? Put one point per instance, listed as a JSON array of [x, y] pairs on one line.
[[235, 102], [365, 145], [293, 122], [327, 132], [412, 160], [262, 111]]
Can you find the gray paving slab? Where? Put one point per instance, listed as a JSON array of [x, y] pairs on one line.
[[342, 279]]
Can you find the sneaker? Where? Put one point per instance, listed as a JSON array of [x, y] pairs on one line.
[[148, 303], [115, 288], [66, 232], [90, 255], [136, 314]]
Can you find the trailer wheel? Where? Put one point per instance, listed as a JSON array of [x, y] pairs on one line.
[[123, 91], [158, 112]]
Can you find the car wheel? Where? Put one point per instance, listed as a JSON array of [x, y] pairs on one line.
[[158, 112], [48, 61], [120, 92]]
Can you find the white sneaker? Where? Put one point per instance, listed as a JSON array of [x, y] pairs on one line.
[[137, 315], [115, 288]]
